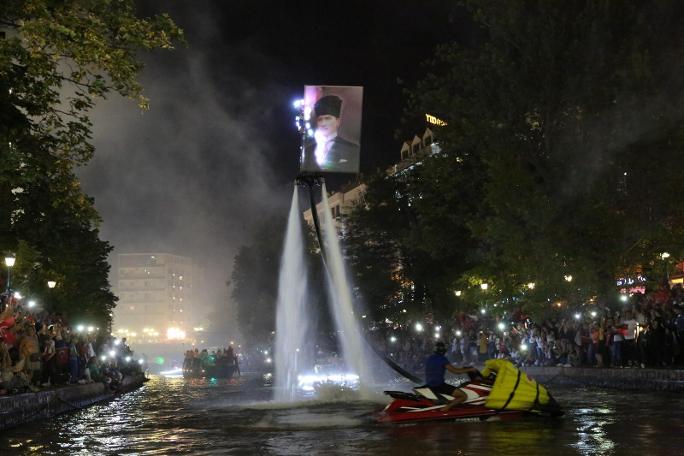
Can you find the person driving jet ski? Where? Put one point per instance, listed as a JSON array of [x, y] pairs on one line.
[[435, 367]]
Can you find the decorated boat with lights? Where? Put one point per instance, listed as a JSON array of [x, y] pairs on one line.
[[210, 366]]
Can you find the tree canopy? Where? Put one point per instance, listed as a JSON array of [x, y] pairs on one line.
[[56, 60], [556, 163]]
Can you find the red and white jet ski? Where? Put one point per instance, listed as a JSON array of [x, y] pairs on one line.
[[424, 404]]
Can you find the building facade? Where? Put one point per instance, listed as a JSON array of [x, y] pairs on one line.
[[411, 154], [157, 297], [341, 203]]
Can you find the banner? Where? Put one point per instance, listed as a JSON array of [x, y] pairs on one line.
[[333, 123]]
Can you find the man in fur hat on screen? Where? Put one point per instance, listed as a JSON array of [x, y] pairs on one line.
[[329, 151]]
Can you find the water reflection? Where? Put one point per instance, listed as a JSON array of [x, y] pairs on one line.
[[592, 431], [203, 417]]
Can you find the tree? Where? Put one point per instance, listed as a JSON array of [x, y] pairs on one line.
[[569, 114], [56, 60]]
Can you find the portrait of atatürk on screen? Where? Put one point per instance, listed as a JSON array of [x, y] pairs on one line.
[[333, 145]]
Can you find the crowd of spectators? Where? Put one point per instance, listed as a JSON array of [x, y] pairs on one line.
[[39, 350], [643, 330], [222, 360]]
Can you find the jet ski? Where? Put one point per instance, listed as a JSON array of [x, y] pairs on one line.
[[500, 392]]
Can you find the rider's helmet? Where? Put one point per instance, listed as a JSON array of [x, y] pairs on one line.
[[440, 348]]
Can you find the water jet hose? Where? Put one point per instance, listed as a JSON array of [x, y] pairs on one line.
[[310, 181]]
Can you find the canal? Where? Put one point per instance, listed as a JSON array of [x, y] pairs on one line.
[[176, 416]]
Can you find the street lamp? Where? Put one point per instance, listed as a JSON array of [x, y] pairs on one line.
[[51, 284], [664, 256], [9, 262]]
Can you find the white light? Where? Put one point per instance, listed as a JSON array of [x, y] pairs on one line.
[[91, 329], [112, 353], [9, 261], [265, 352], [624, 298], [307, 381], [531, 285], [17, 295], [523, 347], [482, 311], [269, 360], [484, 286], [393, 339], [128, 359], [363, 316], [578, 316], [31, 304], [51, 284], [458, 293], [140, 361], [403, 310], [501, 326], [297, 104], [80, 328], [593, 313], [175, 334], [117, 342], [458, 333], [177, 372], [103, 357], [438, 328], [568, 278], [663, 255], [419, 327]]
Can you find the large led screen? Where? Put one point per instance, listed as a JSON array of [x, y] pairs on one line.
[[333, 119]]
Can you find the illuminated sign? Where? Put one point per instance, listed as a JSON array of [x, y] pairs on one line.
[[435, 120], [630, 281]]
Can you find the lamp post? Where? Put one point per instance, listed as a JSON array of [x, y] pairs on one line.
[[664, 256], [9, 262], [51, 284]]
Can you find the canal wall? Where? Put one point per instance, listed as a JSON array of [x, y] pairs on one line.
[[623, 379], [18, 409]]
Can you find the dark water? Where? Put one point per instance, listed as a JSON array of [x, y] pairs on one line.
[[173, 416]]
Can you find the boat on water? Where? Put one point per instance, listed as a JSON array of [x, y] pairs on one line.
[[500, 392], [219, 365]]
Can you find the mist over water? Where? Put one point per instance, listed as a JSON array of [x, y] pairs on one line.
[[292, 322], [349, 333], [293, 341]]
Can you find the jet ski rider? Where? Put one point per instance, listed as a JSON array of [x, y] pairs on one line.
[[435, 367]]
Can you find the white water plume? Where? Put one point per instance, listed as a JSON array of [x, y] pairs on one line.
[[291, 318], [349, 332]]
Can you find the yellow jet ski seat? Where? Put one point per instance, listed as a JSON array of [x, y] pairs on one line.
[[514, 390]]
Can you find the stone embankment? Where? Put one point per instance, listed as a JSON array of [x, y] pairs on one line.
[[633, 379], [18, 409]]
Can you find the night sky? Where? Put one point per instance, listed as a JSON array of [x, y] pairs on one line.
[[218, 151]]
